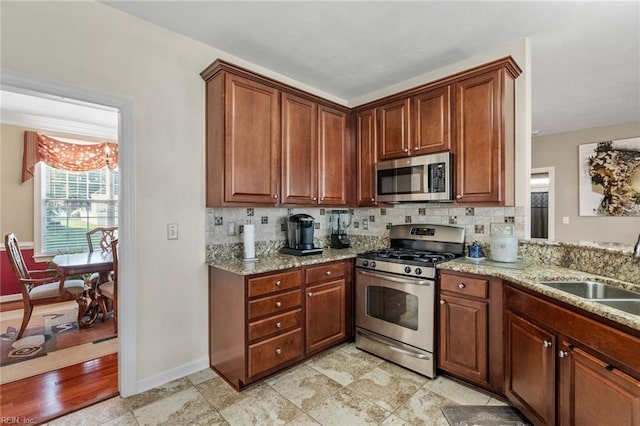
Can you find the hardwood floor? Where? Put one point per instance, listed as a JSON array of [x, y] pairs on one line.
[[42, 398]]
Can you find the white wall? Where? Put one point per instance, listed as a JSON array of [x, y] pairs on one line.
[[91, 46]]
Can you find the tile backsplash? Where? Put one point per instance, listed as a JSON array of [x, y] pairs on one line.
[[224, 225]]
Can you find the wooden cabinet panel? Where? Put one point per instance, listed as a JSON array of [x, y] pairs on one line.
[[484, 111], [325, 322], [530, 369], [432, 115], [324, 272], [275, 352], [464, 337], [366, 137], [592, 393], [465, 285], [299, 150], [252, 141], [274, 282], [274, 304], [394, 132], [335, 158], [275, 324]]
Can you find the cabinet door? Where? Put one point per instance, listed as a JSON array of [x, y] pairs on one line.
[[252, 141], [334, 157], [367, 155], [593, 393], [325, 321], [299, 151], [432, 112], [463, 337], [530, 370], [479, 150], [394, 130]]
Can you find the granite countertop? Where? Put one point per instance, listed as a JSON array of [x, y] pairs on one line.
[[279, 261], [531, 274]]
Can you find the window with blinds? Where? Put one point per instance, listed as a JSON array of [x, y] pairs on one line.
[[74, 203]]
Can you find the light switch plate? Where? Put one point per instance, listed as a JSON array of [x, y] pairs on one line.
[[172, 231]]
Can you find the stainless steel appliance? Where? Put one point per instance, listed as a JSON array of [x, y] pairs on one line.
[[422, 178], [300, 229], [339, 220], [395, 294]]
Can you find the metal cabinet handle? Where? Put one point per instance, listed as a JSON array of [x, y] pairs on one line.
[[442, 302], [310, 294], [461, 286], [406, 150], [278, 283], [547, 344], [278, 304], [459, 196], [278, 325], [315, 198], [275, 196], [327, 272], [373, 199], [563, 354], [415, 148], [278, 351]]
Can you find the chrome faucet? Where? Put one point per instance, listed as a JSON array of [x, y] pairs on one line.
[[636, 249]]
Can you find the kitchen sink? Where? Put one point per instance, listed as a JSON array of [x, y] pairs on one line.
[[629, 306], [592, 290]]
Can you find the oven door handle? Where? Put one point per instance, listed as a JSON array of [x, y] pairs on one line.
[[393, 348], [406, 280]]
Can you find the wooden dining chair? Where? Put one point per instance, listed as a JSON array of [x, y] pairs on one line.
[[48, 288], [109, 290], [103, 236]]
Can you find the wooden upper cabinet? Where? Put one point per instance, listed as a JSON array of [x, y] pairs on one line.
[[432, 120], [366, 140], [335, 157], [484, 120], [243, 141], [394, 129], [299, 150]]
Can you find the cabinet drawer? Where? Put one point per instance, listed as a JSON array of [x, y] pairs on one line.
[[325, 272], [464, 285], [274, 324], [275, 282], [274, 304], [278, 350]]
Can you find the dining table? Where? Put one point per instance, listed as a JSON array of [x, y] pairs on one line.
[[72, 264]]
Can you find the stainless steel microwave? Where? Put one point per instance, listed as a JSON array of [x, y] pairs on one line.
[[424, 178]]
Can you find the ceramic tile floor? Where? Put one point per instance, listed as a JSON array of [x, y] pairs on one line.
[[343, 386]]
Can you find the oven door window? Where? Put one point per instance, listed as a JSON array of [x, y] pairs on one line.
[[404, 180], [391, 305]]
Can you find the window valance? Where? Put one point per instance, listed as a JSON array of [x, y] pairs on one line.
[[66, 156]]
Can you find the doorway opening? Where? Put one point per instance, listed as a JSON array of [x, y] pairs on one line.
[[542, 186]]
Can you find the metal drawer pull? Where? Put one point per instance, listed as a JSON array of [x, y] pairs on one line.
[[310, 294], [327, 272], [547, 344], [278, 351], [278, 304], [278, 325], [461, 286], [563, 354], [442, 302], [278, 283]]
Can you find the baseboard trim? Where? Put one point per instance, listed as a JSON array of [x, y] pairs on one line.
[[173, 374], [10, 298]]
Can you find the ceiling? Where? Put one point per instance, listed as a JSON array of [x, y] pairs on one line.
[[585, 55]]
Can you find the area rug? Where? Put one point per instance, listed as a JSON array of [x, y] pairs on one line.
[[483, 415], [52, 340]]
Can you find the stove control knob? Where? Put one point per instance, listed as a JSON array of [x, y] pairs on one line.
[[365, 263], [407, 269], [418, 271], [372, 264]]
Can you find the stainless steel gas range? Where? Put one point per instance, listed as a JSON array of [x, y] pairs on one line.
[[395, 294]]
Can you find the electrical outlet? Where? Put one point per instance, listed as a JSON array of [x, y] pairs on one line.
[[365, 223], [172, 231], [231, 229], [565, 220]]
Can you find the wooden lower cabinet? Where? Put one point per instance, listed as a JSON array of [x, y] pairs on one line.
[[567, 369], [261, 324], [530, 370], [470, 344]]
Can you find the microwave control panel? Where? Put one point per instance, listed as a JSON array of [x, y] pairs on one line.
[[437, 177]]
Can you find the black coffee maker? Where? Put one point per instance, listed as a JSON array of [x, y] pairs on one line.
[[300, 229]]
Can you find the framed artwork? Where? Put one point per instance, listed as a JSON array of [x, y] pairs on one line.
[[609, 181]]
